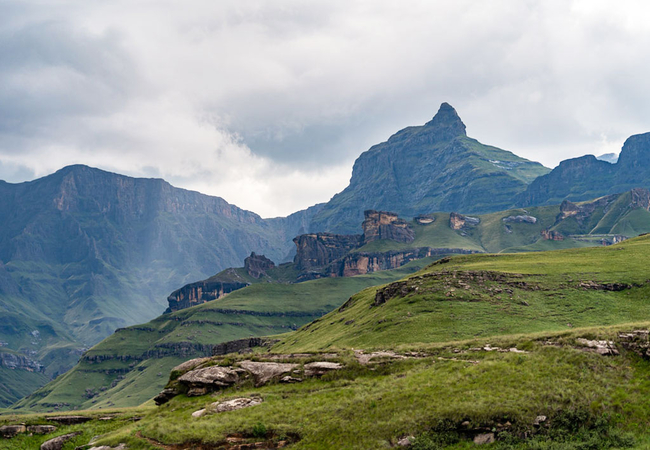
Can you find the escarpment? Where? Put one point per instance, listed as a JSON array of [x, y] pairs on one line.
[[200, 292]]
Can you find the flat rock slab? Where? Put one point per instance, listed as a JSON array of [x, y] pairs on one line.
[[263, 372], [319, 368], [106, 447], [69, 420], [41, 429], [213, 375], [364, 358], [57, 442], [9, 431], [600, 347], [485, 438], [236, 403], [191, 364]]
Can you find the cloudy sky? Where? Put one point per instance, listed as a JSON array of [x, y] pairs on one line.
[[268, 103]]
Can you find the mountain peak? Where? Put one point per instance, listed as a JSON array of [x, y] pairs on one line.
[[447, 122]]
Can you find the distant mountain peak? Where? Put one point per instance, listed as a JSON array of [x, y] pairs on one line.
[[447, 122]]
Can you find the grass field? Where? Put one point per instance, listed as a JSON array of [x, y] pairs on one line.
[[131, 366], [449, 388]]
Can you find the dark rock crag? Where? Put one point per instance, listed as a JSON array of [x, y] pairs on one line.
[[257, 265]]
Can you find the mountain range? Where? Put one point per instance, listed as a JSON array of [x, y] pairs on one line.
[[84, 252]]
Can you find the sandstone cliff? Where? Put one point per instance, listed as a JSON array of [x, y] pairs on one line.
[[200, 292], [386, 225]]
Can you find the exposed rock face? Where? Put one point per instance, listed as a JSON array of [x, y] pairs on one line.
[[587, 177], [360, 263], [257, 265], [207, 379], [235, 404], [421, 169], [386, 225], [58, 442], [459, 221], [203, 380], [637, 341], [320, 368], [13, 361], [425, 219], [9, 431], [41, 429], [263, 372], [520, 219], [319, 249], [200, 292], [551, 235]]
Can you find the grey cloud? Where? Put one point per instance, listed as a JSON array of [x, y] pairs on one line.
[[185, 91]]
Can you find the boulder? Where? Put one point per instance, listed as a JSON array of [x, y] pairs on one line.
[[57, 442], [484, 438], [41, 429], [199, 413], [189, 365], [600, 347], [213, 375], [263, 372], [9, 431], [165, 395], [317, 369]]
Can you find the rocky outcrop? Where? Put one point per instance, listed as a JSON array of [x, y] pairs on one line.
[[58, 442], [207, 377], [200, 292], [459, 221], [257, 265], [551, 235], [386, 225], [228, 405], [19, 362], [425, 219], [9, 431], [360, 263], [319, 249], [263, 372], [520, 219]]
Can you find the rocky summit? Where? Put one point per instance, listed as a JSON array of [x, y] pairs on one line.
[[433, 167]]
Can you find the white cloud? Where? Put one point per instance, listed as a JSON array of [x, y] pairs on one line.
[[268, 103]]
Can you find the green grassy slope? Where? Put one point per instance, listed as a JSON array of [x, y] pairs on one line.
[[450, 305], [450, 389], [131, 366], [493, 235]]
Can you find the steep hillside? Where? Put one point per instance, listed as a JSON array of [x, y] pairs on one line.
[[465, 297], [83, 252], [587, 177], [131, 366], [429, 168]]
